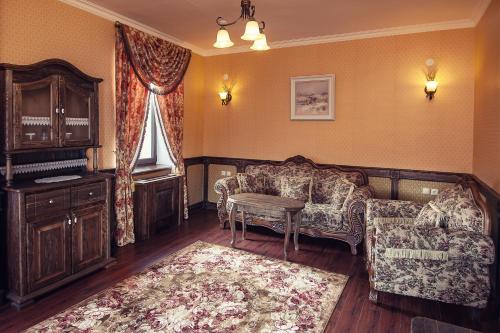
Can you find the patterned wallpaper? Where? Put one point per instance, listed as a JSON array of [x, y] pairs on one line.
[[383, 117], [487, 99]]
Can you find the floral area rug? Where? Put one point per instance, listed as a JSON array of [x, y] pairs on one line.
[[209, 288]]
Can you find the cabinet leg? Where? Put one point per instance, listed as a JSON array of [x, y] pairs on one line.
[[21, 305]]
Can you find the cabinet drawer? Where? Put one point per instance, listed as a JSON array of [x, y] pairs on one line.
[[86, 194], [46, 203]]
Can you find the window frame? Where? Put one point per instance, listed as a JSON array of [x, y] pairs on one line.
[[153, 160]]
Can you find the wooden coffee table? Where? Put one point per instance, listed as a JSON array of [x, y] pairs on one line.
[[268, 205]]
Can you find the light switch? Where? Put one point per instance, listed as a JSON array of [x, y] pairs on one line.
[[434, 191], [426, 190], [228, 173], [223, 173]]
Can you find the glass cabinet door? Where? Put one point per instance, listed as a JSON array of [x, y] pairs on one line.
[[36, 114], [76, 114]]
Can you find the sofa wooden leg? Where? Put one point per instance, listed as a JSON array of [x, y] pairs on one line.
[[373, 297], [354, 250]]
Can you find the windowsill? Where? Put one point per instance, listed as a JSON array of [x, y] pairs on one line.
[[150, 171]]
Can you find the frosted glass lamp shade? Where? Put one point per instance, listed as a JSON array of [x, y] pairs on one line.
[[223, 39], [252, 31], [260, 44]]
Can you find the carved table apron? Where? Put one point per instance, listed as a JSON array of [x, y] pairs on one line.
[[285, 209]]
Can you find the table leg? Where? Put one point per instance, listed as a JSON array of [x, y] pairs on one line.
[[243, 225], [288, 227], [298, 220], [232, 224]]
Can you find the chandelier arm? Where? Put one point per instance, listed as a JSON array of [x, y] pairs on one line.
[[220, 21]]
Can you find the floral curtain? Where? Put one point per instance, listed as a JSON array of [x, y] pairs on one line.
[[144, 64]]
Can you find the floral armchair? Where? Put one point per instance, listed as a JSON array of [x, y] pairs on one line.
[[330, 212], [440, 251]]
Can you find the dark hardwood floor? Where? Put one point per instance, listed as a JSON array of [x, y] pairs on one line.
[[354, 312]]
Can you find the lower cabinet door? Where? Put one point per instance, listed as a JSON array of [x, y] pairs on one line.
[[89, 237], [49, 251]]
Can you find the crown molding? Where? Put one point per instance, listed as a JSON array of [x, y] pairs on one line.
[[405, 30], [105, 13], [479, 11], [114, 16]]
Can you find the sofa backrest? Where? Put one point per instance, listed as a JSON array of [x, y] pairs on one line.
[[299, 166]]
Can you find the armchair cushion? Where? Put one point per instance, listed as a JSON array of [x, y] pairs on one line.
[[405, 236], [251, 183], [298, 188], [431, 216]]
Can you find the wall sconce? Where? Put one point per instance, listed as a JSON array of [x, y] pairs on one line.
[[431, 85], [225, 97], [225, 92]]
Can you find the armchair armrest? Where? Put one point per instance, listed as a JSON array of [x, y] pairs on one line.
[[472, 246], [407, 236], [391, 208], [225, 187]]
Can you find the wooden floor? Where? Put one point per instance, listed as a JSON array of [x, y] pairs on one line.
[[354, 313]]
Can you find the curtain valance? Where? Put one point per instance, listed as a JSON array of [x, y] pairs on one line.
[[159, 64]]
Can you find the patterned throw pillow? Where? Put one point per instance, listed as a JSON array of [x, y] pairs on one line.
[[343, 190], [251, 183], [298, 188], [466, 215], [431, 216]]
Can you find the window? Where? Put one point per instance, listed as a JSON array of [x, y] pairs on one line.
[[153, 149]]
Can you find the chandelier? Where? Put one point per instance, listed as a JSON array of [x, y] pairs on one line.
[[254, 30]]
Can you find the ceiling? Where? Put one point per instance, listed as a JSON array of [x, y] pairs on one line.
[[291, 22]]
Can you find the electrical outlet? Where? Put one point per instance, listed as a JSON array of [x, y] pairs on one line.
[[434, 191], [228, 173], [223, 173], [426, 190]]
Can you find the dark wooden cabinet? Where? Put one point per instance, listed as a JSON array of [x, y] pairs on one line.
[[56, 232], [55, 235], [157, 205]]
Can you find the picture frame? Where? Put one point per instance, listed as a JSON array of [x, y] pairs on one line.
[[312, 97]]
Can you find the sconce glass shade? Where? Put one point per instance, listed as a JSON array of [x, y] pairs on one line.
[[252, 30], [223, 39], [431, 86], [260, 44], [223, 95]]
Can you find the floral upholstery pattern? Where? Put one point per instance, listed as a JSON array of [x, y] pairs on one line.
[[251, 183], [411, 256], [298, 188], [320, 218]]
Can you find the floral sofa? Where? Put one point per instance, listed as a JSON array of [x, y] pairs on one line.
[[440, 251], [335, 197]]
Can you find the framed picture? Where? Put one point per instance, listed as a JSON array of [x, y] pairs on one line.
[[313, 97]]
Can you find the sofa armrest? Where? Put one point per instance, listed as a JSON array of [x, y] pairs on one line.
[[353, 213], [467, 245], [391, 208], [225, 187]]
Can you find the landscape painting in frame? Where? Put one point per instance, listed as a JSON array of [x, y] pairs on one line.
[[312, 97]]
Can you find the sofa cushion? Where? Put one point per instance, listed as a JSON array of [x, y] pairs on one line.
[[298, 188], [343, 190], [431, 216], [323, 217], [251, 183]]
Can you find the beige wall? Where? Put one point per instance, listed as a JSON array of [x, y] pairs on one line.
[[487, 98], [34, 30], [383, 117]]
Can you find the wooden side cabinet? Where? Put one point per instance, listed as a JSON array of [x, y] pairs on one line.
[[56, 233], [157, 205]]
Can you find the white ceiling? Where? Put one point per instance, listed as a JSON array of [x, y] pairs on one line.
[[288, 22]]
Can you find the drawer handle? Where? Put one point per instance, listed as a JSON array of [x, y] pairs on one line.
[[68, 219], [51, 201], [75, 219], [91, 194]]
